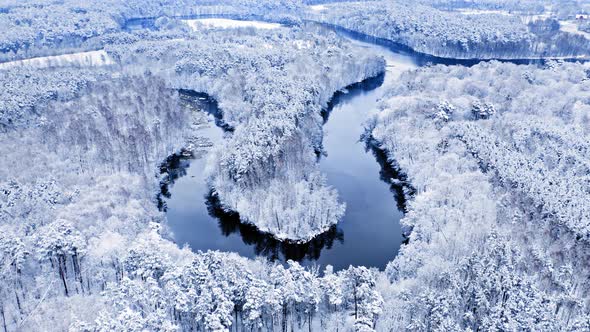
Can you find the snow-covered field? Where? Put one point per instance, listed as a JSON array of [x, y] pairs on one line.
[[532, 18], [473, 34], [572, 27], [483, 12], [208, 23], [318, 8], [84, 59]]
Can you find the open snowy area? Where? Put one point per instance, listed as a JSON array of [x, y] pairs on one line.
[[227, 23], [573, 28], [318, 7], [294, 165]]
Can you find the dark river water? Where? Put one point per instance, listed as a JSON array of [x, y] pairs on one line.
[[369, 234]]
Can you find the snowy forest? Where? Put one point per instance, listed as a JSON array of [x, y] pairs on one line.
[[475, 116]]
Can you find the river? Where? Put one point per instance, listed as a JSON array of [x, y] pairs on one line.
[[369, 234]]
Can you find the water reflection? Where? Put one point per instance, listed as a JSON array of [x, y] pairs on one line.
[[370, 232], [351, 92], [193, 210], [389, 174], [172, 169], [265, 244]]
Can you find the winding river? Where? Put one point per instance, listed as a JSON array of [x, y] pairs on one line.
[[369, 234]]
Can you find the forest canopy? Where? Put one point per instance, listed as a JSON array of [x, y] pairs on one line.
[[494, 157]]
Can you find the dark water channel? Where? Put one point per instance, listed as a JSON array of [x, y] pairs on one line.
[[369, 234]]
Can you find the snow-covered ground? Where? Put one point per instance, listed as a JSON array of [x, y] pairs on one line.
[[227, 23], [92, 58], [572, 27], [532, 18], [547, 13], [395, 63], [302, 44], [483, 12], [318, 8]]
